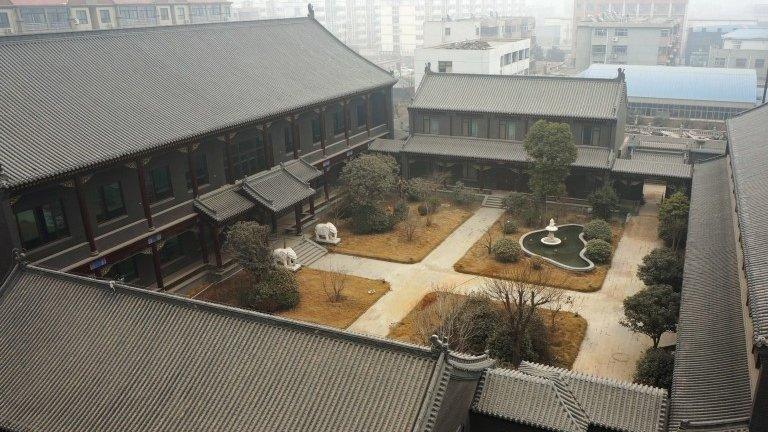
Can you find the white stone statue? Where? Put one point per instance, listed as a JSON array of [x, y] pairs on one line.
[[286, 258], [550, 239], [326, 233]]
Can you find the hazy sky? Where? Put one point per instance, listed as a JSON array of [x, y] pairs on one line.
[[697, 9]]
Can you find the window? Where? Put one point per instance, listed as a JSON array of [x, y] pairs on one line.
[[506, 59], [180, 12], [82, 16], [288, 137], [338, 120], [110, 200], [42, 224], [105, 17], [430, 125], [601, 32], [172, 249], [447, 31], [619, 49], [598, 49], [507, 129], [164, 14], [590, 136], [736, 44], [759, 63], [316, 130], [445, 66], [159, 184], [362, 114], [741, 62], [4, 21], [201, 171], [621, 32], [470, 127], [248, 156], [719, 62], [665, 33]]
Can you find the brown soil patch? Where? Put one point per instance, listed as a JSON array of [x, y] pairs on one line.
[[314, 305], [478, 261], [564, 341], [394, 245]]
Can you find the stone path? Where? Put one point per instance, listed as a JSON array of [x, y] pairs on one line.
[[609, 350]]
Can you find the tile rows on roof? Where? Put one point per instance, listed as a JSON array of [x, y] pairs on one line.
[[107, 111], [521, 95], [711, 376], [652, 168], [749, 164], [559, 399]]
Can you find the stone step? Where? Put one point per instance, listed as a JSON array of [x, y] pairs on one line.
[[308, 251], [493, 201]]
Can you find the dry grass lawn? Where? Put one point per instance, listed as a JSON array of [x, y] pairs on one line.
[[314, 305], [394, 245], [478, 261], [564, 341]]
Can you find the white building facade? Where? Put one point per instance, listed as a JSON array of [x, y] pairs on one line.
[[502, 57]]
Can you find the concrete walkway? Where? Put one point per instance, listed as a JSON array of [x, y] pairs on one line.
[[609, 350]]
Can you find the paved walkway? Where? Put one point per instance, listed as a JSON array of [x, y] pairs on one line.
[[609, 350]]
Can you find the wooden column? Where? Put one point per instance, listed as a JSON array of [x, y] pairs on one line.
[[323, 129], [192, 170], [297, 213], [326, 187], [143, 192], [267, 145], [201, 238], [273, 221], [158, 268], [312, 205], [345, 111], [85, 216], [228, 157], [368, 114], [296, 135], [216, 245]]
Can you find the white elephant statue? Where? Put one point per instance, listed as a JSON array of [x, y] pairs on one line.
[[326, 233], [286, 258]]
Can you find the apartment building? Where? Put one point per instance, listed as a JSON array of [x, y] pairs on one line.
[[743, 49], [437, 32], [30, 16], [641, 42], [139, 165]]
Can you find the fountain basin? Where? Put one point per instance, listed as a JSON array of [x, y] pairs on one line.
[[568, 254]]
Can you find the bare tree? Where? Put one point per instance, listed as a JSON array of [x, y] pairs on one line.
[[445, 317], [334, 283], [409, 228], [489, 238], [522, 296]]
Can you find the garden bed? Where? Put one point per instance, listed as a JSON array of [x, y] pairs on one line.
[[314, 305], [478, 261], [394, 245], [564, 342]]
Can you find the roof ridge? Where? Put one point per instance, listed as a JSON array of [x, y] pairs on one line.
[[526, 366], [570, 402], [520, 77], [433, 396], [264, 318]]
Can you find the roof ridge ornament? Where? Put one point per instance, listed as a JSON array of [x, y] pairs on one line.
[[428, 68], [311, 11], [439, 345], [20, 257]]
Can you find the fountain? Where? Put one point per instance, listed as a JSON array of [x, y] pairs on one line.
[[550, 239]]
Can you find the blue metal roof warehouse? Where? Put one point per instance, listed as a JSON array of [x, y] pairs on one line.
[[717, 93]]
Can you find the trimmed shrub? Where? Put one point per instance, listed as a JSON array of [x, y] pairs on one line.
[[655, 368], [483, 316], [662, 266], [277, 290], [510, 227], [673, 220], [417, 189], [433, 204], [400, 212], [423, 209], [599, 251], [461, 195], [597, 229], [534, 346], [506, 250], [367, 219], [516, 202], [604, 202]]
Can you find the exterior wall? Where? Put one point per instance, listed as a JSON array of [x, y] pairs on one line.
[[440, 32], [12, 26], [639, 45], [488, 61], [214, 149], [741, 59], [78, 24]]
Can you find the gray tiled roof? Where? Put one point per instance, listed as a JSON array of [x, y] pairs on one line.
[[562, 400], [281, 187], [711, 378], [652, 168], [77, 354], [97, 96], [224, 204], [384, 145], [521, 94], [493, 150], [657, 156], [749, 163]]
